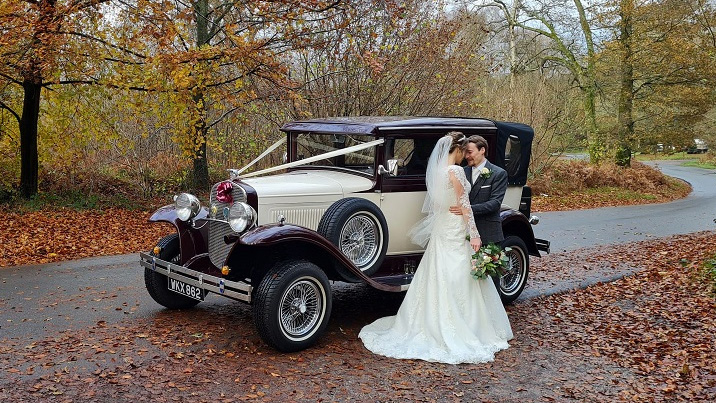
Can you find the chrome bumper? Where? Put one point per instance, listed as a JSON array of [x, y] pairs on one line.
[[542, 244], [237, 290]]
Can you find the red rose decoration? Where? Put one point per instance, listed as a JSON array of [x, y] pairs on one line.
[[223, 192]]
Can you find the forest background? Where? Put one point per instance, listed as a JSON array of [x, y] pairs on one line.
[[132, 99]]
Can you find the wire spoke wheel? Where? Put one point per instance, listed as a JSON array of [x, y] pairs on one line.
[[510, 281], [511, 284], [292, 306], [300, 308], [357, 227]]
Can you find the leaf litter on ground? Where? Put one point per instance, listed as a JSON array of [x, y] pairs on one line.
[[645, 337]]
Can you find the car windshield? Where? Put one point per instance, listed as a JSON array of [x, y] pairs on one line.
[[312, 144]]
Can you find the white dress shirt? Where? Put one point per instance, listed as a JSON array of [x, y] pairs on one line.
[[476, 170]]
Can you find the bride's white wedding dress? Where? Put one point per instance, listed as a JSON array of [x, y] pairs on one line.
[[446, 315]]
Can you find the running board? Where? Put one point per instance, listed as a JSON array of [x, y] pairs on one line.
[[403, 282]]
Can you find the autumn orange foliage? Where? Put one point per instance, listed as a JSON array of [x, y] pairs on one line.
[[66, 234], [577, 184]]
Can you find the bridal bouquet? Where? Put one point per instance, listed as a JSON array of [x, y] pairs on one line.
[[489, 260]]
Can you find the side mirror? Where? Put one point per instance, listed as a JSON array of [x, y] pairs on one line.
[[392, 168]]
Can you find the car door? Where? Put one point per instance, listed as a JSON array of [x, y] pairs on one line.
[[403, 191]]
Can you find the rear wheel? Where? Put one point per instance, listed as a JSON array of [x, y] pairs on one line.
[[292, 306], [156, 283], [511, 284]]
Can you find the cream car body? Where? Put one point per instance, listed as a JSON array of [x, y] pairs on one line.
[[302, 197]]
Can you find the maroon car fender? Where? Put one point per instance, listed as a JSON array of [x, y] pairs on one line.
[[192, 241], [515, 223], [276, 234]]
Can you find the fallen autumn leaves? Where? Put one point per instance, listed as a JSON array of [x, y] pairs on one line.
[[658, 324], [66, 234], [646, 337]]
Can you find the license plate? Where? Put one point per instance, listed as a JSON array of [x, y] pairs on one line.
[[185, 289]]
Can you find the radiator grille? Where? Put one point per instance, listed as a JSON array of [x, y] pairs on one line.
[[218, 249]]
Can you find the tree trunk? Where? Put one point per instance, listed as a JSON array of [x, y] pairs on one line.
[[200, 130], [596, 146], [200, 166], [32, 87], [513, 47], [588, 81], [625, 129]]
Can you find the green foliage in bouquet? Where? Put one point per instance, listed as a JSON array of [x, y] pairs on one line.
[[490, 260]]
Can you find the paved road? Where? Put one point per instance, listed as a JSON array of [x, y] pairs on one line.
[[38, 301], [569, 230]]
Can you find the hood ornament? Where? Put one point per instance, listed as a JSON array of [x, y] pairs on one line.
[[234, 173]]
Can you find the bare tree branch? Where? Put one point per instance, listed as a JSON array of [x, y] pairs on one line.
[[3, 105]]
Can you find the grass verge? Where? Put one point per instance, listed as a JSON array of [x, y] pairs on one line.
[[706, 164], [661, 157], [709, 269]]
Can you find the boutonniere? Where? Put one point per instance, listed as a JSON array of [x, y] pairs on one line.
[[485, 173]]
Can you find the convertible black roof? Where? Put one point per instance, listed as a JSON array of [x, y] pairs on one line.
[[514, 156], [514, 140], [372, 125]]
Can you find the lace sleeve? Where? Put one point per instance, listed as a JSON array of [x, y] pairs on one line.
[[460, 183]]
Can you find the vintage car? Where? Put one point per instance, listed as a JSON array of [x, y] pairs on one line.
[[339, 208]]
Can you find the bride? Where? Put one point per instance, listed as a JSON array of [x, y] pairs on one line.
[[446, 316]]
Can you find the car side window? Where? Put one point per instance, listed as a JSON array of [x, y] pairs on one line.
[[513, 155], [418, 161], [412, 155], [402, 151], [314, 144]]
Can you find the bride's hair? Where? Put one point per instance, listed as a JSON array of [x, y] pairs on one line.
[[436, 181], [459, 140]]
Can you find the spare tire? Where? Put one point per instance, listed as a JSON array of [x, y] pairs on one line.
[[358, 228]]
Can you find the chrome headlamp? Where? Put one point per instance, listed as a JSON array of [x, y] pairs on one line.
[[241, 216], [187, 206]]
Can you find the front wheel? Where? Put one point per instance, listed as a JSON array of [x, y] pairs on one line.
[[292, 306], [157, 283], [511, 284]]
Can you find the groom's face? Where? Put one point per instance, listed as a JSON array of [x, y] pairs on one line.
[[474, 156]]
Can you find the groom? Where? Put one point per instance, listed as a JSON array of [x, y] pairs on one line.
[[489, 183]]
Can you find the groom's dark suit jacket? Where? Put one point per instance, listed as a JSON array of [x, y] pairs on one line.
[[486, 196]]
